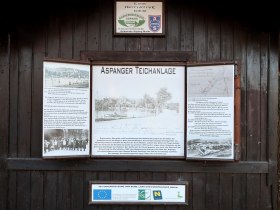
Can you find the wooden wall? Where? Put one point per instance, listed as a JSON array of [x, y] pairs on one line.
[[28, 182]]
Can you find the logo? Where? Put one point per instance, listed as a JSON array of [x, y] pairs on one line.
[[157, 195], [102, 195], [154, 22], [144, 194], [131, 20]]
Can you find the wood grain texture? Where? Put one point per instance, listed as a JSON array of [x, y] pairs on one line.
[[37, 190]]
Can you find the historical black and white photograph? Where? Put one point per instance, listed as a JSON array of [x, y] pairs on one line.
[[210, 112], [65, 75], [66, 142], [138, 111], [66, 109]]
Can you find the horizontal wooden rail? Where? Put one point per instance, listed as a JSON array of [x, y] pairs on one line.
[[134, 165]]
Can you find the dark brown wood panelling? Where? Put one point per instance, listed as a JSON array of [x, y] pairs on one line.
[[192, 34]]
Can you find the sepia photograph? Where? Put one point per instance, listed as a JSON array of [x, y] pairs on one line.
[[66, 142], [138, 111]]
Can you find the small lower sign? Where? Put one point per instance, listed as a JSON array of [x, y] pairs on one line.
[[138, 193]]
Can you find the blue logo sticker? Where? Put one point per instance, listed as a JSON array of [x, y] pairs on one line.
[[102, 194], [154, 22], [157, 195]]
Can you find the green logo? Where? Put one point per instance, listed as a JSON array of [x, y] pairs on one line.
[[144, 194], [131, 20]]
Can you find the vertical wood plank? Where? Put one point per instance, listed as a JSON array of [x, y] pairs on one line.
[[79, 34], [173, 25], [212, 191], [12, 191], [186, 28], [189, 178], [4, 94], [239, 198], [53, 44], [146, 44], [253, 191], [37, 89], [263, 94], [50, 190], [37, 190], [225, 191], [24, 91], [226, 40], [23, 190], [4, 107], [106, 23], [89, 176], [200, 37], [133, 44], [240, 54], [265, 197], [77, 199], [64, 190], [199, 182], [273, 114], [13, 118], [66, 37], [93, 28], [214, 39], [253, 97]]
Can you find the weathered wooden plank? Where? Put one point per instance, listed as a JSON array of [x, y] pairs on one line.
[[66, 37], [149, 56], [273, 137], [253, 191], [93, 28], [225, 185], [64, 190], [189, 178], [12, 194], [265, 197], [77, 199], [200, 38], [240, 54], [79, 34], [212, 191], [264, 42], [37, 89], [226, 40], [53, 42], [199, 189], [23, 190], [24, 99], [4, 93], [13, 118], [132, 44], [106, 23], [137, 165], [147, 44], [239, 198], [173, 25], [37, 190], [214, 39], [89, 176], [3, 189], [50, 190], [186, 28], [253, 97]]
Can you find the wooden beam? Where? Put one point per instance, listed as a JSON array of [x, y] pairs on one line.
[[39, 164]]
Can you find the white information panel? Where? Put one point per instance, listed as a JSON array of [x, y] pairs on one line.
[[66, 110], [138, 111], [210, 112], [156, 193]]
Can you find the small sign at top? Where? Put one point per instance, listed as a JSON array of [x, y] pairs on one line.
[[139, 18]]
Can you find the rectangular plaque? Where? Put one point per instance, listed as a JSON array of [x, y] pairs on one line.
[[139, 18], [210, 112], [138, 193]]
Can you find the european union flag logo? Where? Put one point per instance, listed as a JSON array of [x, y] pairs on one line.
[[102, 194], [157, 195]]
